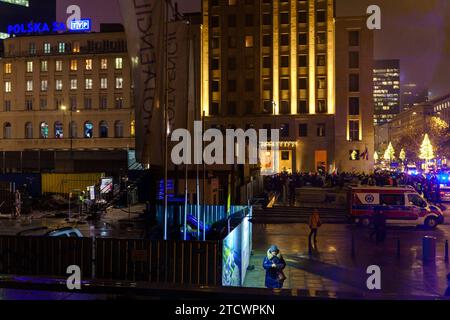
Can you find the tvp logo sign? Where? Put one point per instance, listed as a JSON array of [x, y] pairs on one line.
[[74, 21]]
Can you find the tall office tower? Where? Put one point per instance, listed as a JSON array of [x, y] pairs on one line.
[[412, 95], [386, 90], [271, 64]]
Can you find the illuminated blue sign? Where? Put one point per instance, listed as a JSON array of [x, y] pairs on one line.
[[83, 25], [80, 25]]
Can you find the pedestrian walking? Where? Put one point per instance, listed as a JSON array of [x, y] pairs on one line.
[[379, 226], [274, 265], [314, 225]]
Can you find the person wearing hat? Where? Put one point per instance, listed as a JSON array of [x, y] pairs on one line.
[[274, 265]]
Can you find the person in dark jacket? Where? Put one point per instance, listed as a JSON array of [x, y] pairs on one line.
[[447, 292], [274, 265]]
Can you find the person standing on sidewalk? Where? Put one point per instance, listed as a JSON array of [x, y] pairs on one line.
[[274, 264], [314, 225]]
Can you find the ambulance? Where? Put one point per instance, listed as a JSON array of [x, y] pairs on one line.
[[398, 204]]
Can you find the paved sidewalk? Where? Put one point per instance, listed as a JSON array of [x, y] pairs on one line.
[[332, 268]]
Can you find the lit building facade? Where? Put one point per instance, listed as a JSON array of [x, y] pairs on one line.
[[67, 94], [441, 107], [272, 65], [386, 90], [412, 95]]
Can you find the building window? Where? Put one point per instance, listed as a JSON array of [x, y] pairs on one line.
[[59, 130], [248, 104], [267, 19], [353, 83], [284, 130], [29, 105], [59, 85], [44, 130], [302, 84], [58, 65], [302, 107], [267, 62], [73, 84], [215, 86], [44, 85], [119, 83], [103, 102], [321, 130], [119, 103], [47, 48], [104, 83], [321, 60], [103, 129], [8, 68], [284, 61], [58, 103], [32, 48], [104, 64], [29, 85], [302, 17], [43, 104], [302, 130], [88, 103], [321, 106], [302, 60], [29, 66], [7, 106], [249, 20], [73, 103], [44, 66], [321, 16], [285, 108], [267, 40], [88, 64], [118, 129], [232, 63], [231, 107], [73, 130], [215, 64], [214, 110], [284, 39], [88, 84], [61, 47], [284, 18], [215, 42], [8, 86], [7, 130], [73, 65], [284, 84], [353, 59], [249, 85], [321, 83], [76, 47], [268, 107], [353, 127], [249, 41], [28, 130], [119, 63], [321, 38], [353, 38], [353, 106], [302, 39], [232, 85], [88, 130], [215, 21]]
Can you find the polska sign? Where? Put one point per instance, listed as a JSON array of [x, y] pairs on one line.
[[84, 25]]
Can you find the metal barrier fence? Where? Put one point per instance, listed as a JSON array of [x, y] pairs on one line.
[[158, 261], [44, 255]]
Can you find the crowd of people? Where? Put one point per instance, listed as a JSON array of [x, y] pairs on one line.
[[426, 185]]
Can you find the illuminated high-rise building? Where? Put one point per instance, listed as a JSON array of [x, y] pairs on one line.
[[412, 95], [386, 90], [272, 64]]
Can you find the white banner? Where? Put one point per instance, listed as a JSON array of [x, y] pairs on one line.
[[144, 22]]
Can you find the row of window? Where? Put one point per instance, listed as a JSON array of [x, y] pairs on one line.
[[88, 84], [73, 104], [61, 47], [58, 130], [88, 65]]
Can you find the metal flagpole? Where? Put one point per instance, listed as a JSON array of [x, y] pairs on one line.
[[166, 21], [186, 166], [204, 181]]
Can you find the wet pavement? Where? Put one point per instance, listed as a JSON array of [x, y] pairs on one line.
[[332, 267], [116, 223]]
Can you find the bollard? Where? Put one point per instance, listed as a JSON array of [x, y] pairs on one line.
[[429, 248], [398, 247], [446, 250]]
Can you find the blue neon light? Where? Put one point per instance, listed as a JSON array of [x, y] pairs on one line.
[[81, 25]]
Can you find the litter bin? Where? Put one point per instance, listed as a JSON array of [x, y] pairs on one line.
[[429, 248]]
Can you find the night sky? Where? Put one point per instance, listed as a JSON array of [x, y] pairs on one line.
[[415, 31]]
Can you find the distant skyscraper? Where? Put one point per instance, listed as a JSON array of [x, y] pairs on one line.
[[386, 91], [412, 95]]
